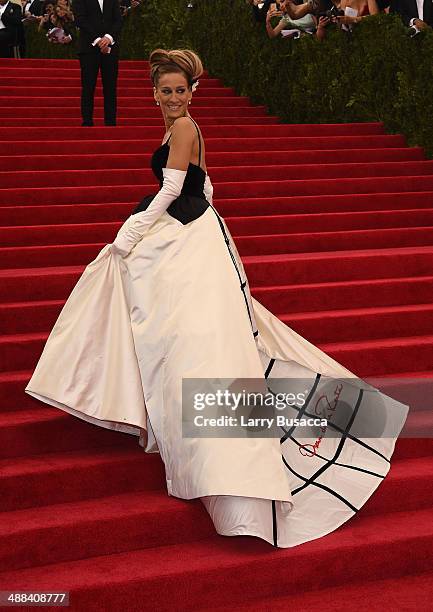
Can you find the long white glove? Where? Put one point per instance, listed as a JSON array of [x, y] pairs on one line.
[[208, 189], [135, 227]]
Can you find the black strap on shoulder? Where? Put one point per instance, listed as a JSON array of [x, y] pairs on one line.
[[199, 141]]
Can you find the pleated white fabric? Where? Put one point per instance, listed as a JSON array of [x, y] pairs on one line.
[[178, 307]]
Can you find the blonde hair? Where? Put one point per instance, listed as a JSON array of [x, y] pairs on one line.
[[183, 61]]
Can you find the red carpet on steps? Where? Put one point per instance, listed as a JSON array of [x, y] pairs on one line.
[[335, 227]]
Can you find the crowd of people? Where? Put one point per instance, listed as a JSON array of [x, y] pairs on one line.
[[293, 19], [297, 18], [54, 19]]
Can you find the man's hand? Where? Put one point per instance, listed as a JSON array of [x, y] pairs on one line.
[[105, 50], [421, 25], [104, 43]]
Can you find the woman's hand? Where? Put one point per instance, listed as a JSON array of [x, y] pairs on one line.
[[271, 14], [323, 22], [119, 248]]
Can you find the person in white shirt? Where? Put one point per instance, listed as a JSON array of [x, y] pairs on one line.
[[10, 19]]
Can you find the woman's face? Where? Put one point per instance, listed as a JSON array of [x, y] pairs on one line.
[[173, 94]]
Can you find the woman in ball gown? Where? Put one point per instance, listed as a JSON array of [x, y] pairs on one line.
[[168, 301]]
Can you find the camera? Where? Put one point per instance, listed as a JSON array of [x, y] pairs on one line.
[[333, 12]]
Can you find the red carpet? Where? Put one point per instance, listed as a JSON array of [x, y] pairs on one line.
[[335, 227]]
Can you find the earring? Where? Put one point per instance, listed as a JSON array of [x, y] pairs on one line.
[[157, 103], [189, 101]]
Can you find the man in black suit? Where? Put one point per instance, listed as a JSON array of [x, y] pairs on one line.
[[33, 7], [10, 20], [100, 23], [415, 13]]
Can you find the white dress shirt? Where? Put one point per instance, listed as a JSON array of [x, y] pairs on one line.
[[2, 10]]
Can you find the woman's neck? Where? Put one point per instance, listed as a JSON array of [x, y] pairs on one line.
[[169, 125]]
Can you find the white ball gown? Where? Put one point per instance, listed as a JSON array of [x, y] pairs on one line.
[[179, 306]]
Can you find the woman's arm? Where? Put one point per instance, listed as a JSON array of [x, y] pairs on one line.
[[273, 32], [136, 226], [296, 11], [321, 27], [183, 134], [373, 7]]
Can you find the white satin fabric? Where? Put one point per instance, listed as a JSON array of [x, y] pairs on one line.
[[133, 328]]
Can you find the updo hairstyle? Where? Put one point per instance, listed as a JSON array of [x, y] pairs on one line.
[[183, 61]]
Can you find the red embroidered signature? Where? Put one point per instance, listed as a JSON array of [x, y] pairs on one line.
[[325, 409]]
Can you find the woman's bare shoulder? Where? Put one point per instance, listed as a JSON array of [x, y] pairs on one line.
[[183, 125]]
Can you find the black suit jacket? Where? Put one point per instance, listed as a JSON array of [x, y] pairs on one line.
[[11, 17], [37, 8], [408, 10], [93, 23]]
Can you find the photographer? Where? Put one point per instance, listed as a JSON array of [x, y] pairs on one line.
[[305, 23], [62, 22], [45, 20]]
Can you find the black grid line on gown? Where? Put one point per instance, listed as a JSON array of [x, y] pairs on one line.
[[345, 432], [304, 412], [274, 524], [243, 282], [345, 465], [311, 481], [338, 450], [274, 512]]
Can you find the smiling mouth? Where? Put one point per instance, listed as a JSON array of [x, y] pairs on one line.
[[174, 107]]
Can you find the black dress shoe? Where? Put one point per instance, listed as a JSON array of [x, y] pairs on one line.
[[110, 123], [87, 124]]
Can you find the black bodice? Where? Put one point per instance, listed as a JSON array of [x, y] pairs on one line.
[[191, 202], [195, 176]]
